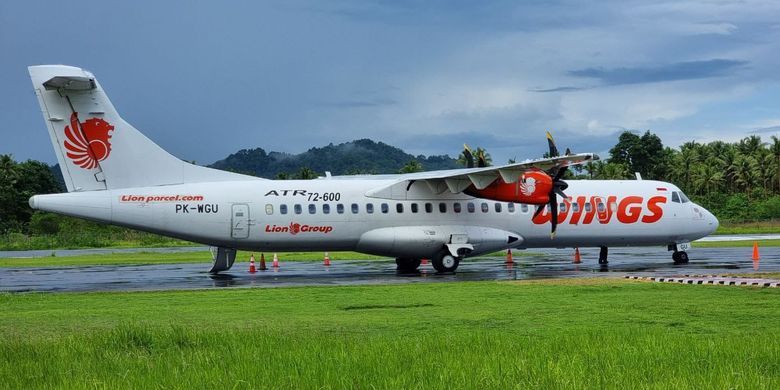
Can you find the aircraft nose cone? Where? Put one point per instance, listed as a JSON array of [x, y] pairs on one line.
[[712, 221]]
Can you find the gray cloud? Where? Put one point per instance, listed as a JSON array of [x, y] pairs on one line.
[[560, 89], [689, 70], [772, 129]]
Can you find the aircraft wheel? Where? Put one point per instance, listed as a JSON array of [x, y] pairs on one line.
[[444, 262], [680, 257], [407, 264]]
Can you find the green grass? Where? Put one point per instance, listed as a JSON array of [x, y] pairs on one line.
[[735, 244], [759, 227], [552, 334]]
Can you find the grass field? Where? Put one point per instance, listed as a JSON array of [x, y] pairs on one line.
[[759, 227], [735, 244], [548, 334]]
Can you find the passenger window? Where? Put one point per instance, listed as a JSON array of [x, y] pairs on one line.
[[269, 209], [326, 209], [428, 208], [385, 208], [588, 207], [562, 207], [675, 197], [575, 207], [354, 208], [312, 209], [370, 208], [340, 208], [442, 207], [298, 209], [470, 207], [523, 208], [414, 208], [399, 208], [600, 206], [510, 207], [456, 207], [613, 206], [498, 207], [485, 207], [283, 209]]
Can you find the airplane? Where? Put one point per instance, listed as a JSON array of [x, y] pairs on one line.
[[116, 175]]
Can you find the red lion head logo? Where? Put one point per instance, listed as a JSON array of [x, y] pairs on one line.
[[88, 142], [295, 228]]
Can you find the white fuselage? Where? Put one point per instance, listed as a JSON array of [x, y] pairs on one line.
[[338, 214]]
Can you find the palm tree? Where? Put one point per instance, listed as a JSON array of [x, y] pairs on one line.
[[707, 178], [775, 149], [305, 173], [745, 173], [613, 171], [685, 162], [411, 167], [749, 146]]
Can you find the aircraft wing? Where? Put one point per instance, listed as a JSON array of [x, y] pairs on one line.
[[457, 180]]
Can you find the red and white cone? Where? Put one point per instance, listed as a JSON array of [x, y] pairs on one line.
[[275, 264], [577, 258], [326, 261], [424, 262], [252, 268], [262, 263], [509, 256]]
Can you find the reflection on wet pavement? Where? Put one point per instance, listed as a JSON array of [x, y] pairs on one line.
[[555, 263]]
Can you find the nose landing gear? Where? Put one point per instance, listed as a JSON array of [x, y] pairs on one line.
[[680, 257]]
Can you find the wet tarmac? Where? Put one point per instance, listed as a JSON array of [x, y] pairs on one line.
[[555, 263]]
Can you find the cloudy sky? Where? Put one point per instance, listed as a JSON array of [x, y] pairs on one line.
[[425, 76]]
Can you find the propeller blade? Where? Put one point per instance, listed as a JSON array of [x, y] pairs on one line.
[[551, 144], [559, 174], [554, 212], [539, 209]]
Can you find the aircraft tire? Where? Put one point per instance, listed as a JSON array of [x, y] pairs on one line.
[[680, 257], [404, 264], [444, 262]]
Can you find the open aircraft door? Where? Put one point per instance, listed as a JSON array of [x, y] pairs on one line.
[[240, 221]]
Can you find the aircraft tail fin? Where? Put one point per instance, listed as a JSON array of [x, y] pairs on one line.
[[95, 147]]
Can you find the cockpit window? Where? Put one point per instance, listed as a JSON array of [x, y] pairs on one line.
[[675, 197], [684, 198]]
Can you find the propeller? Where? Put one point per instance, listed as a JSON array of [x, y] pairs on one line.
[[558, 186]]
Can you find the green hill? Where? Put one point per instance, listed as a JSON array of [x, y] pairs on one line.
[[359, 156]]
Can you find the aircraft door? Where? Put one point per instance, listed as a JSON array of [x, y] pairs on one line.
[[240, 221]]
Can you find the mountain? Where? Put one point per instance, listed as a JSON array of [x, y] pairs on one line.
[[359, 156]]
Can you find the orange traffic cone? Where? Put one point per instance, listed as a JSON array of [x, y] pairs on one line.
[[509, 256], [252, 264], [756, 256], [577, 258], [326, 262], [275, 264], [424, 262], [262, 263]]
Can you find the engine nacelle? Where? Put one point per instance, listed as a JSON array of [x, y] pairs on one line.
[[531, 188]]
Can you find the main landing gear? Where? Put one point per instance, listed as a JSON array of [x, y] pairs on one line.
[[603, 256], [443, 262], [407, 265], [680, 257]]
